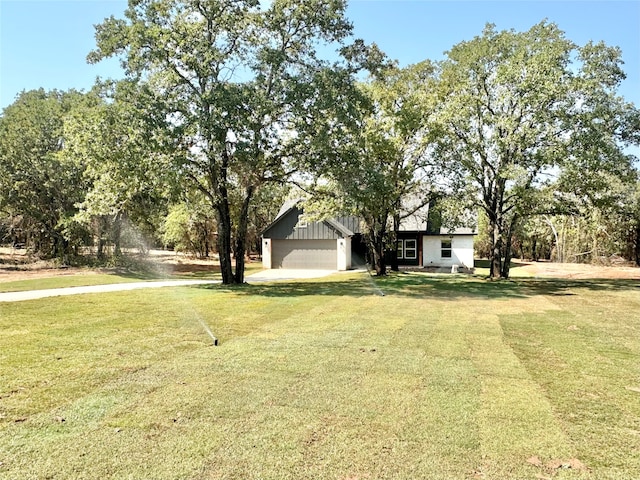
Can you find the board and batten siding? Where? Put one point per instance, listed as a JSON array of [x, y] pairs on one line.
[[289, 228], [461, 251]]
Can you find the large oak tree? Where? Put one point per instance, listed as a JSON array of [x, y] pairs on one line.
[[378, 167], [514, 109], [232, 79]]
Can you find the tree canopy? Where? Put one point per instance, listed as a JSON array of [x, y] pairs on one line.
[[225, 102], [514, 108], [38, 184], [378, 163], [230, 82]]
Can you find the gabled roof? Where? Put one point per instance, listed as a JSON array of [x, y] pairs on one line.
[[334, 224], [415, 215], [339, 227], [416, 219], [286, 207]]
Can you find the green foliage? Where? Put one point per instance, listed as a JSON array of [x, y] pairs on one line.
[[377, 165], [39, 186], [229, 82], [190, 228], [514, 107]]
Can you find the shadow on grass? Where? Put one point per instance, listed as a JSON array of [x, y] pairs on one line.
[[484, 263], [157, 272], [441, 286]]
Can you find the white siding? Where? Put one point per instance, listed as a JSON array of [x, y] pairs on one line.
[[461, 251], [344, 253], [266, 253]]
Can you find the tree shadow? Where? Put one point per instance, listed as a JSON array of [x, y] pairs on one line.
[[440, 286], [565, 287]]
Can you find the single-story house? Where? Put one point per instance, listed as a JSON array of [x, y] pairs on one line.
[[336, 243], [423, 242]]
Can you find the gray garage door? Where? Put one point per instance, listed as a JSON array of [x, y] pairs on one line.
[[321, 254]]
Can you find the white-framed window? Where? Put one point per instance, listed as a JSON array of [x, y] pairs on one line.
[[410, 249], [445, 248], [407, 249]]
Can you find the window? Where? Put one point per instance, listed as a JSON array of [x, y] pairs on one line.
[[410, 249], [445, 248], [407, 249]]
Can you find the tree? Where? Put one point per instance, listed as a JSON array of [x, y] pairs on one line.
[[128, 179], [377, 165], [600, 225], [513, 108], [38, 184], [264, 209], [230, 80], [189, 227]]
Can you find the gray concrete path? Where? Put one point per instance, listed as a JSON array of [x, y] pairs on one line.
[[116, 287], [263, 276]]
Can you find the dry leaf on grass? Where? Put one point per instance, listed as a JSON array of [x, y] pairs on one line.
[[539, 476], [535, 461], [552, 465], [572, 463], [478, 474]]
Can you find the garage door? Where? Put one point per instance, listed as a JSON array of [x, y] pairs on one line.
[[321, 254]]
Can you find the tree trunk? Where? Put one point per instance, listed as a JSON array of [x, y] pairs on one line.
[[534, 253], [376, 246], [220, 182], [506, 261], [555, 236], [117, 233], [495, 267], [394, 253], [101, 231], [224, 242], [241, 238]]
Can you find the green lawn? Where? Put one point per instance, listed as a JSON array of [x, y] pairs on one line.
[[445, 377], [117, 276]]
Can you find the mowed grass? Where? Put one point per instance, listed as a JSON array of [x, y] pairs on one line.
[[154, 272], [445, 377]]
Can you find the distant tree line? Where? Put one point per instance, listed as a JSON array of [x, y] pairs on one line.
[[227, 105]]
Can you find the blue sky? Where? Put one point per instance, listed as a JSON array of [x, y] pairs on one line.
[[44, 43]]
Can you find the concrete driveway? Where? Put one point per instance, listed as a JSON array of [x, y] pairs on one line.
[[116, 287], [263, 276], [276, 274]]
